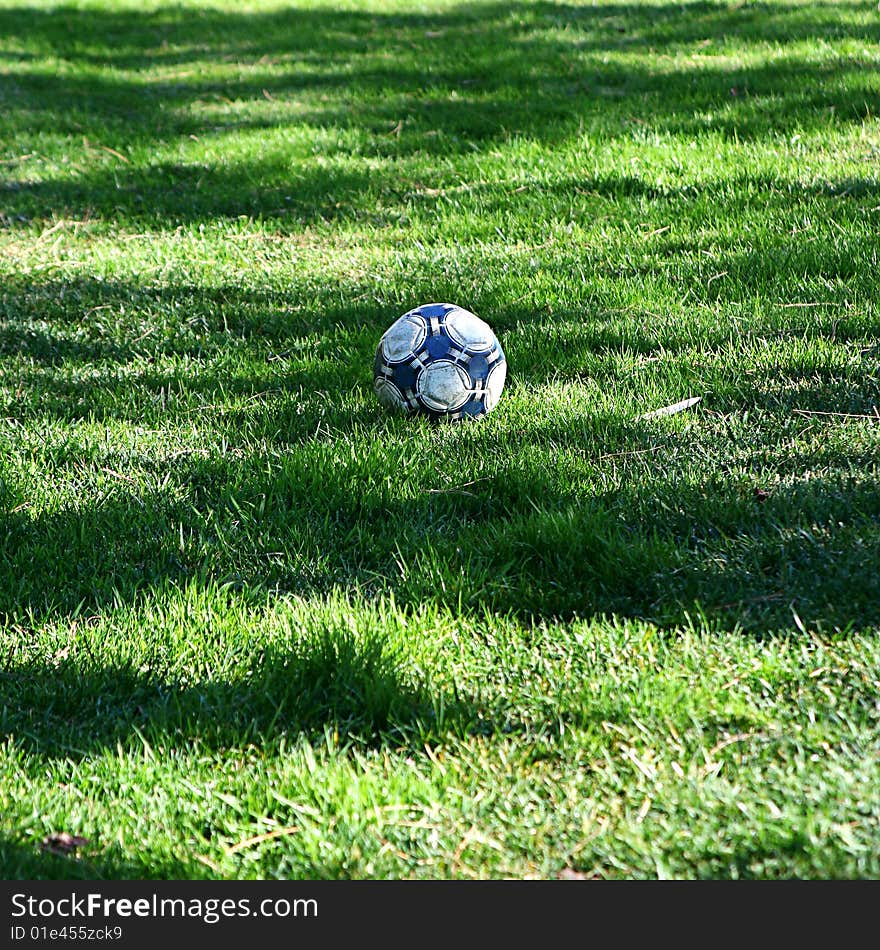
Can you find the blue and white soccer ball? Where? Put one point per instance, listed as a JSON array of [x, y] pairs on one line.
[[441, 361]]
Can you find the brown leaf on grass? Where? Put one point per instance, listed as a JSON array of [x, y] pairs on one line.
[[62, 842], [258, 839], [759, 494], [570, 874]]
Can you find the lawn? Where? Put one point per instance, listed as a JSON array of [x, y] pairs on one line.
[[253, 626]]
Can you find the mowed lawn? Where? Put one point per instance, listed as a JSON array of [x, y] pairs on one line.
[[255, 627]]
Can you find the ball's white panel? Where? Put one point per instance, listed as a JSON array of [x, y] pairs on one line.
[[495, 383], [404, 337], [469, 331], [390, 396], [444, 385]]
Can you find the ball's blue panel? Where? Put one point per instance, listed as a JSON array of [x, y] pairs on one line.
[[474, 408], [478, 367], [437, 345], [405, 376], [433, 309]]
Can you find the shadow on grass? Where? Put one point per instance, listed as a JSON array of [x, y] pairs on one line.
[[671, 554], [662, 546], [325, 679], [458, 80], [23, 859]]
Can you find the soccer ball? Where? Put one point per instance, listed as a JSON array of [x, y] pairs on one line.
[[441, 361]]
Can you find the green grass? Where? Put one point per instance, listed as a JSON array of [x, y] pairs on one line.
[[254, 627]]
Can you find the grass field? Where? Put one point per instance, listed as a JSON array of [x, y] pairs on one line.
[[254, 627]]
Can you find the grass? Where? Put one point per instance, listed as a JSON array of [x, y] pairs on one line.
[[253, 627]]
